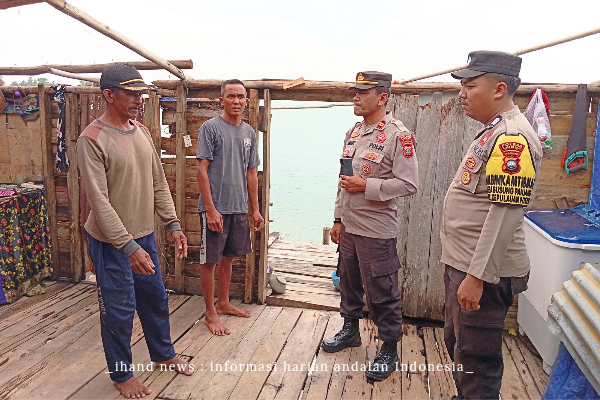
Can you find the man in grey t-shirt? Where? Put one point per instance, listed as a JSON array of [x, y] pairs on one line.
[[227, 161]]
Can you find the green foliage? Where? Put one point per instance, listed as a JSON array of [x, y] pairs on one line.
[[34, 82]]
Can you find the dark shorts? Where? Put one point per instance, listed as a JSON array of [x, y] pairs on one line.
[[233, 242]]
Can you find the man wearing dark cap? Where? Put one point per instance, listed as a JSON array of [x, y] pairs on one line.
[[384, 167], [482, 235], [125, 185]]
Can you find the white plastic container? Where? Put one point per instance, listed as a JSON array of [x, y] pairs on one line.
[[558, 241]]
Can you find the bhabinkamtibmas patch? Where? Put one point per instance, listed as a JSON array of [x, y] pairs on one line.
[[510, 173]]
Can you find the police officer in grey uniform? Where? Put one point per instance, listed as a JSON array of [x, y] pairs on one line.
[[483, 244], [384, 167]]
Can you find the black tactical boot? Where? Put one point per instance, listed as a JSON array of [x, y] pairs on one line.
[[349, 336], [384, 363]]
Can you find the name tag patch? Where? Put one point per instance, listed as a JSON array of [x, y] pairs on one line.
[[510, 173], [376, 146]]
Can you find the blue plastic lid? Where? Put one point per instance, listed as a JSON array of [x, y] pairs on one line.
[[565, 226]]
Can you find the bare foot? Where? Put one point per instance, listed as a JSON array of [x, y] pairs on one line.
[[230, 309], [215, 325], [133, 389], [177, 364]]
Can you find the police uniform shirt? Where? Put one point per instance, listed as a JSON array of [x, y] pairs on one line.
[[384, 155], [482, 226]]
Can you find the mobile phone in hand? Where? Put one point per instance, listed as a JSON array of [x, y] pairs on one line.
[[346, 166]]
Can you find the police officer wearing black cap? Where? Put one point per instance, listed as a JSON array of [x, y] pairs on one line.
[[381, 154], [482, 235]]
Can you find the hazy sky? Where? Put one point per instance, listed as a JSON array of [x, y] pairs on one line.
[[320, 40]]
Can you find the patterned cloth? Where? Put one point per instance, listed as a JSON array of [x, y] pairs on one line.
[[62, 161], [25, 256]]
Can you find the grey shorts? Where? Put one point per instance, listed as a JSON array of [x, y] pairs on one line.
[[233, 242]]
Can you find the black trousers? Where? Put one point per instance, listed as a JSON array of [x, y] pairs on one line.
[[369, 266], [474, 338]]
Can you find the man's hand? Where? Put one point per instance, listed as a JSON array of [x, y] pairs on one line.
[[181, 246], [335, 231], [141, 263], [215, 220], [259, 221], [353, 183], [469, 293]]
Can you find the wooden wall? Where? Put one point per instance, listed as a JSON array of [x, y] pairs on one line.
[[443, 134], [198, 111], [21, 153]]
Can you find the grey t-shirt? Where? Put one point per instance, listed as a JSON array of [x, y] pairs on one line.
[[232, 151]]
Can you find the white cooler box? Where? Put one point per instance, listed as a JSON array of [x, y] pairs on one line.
[[558, 241]]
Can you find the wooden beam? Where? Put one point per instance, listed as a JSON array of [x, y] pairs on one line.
[[253, 108], [81, 16], [90, 68], [66, 74], [180, 178], [152, 121], [266, 190], [72, 133], [71, 89], [326, 86], [6, 4], [48, 170]]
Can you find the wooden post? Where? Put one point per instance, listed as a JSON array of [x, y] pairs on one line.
[[48, 170], [326, 231], [181, 127], [152, 121], [264, 237], [72, 133], [253, 108]]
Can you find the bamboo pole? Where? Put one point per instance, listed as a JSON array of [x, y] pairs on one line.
[[74, 76], [516, 53], [6, 4], [63, 6], [90, 68]]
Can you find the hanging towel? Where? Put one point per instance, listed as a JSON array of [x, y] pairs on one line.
[[575, 157]]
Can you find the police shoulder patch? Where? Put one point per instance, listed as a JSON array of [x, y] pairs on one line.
[[510, 172], [407, 145]]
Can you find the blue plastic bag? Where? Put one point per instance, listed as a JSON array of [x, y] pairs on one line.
[[566, 380]]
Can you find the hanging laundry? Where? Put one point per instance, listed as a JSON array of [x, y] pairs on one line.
[[62, 160]]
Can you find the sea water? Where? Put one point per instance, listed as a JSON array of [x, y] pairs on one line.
[[306, 145]]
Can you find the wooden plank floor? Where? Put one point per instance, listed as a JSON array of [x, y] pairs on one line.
[[50, 348], [307, 269]]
